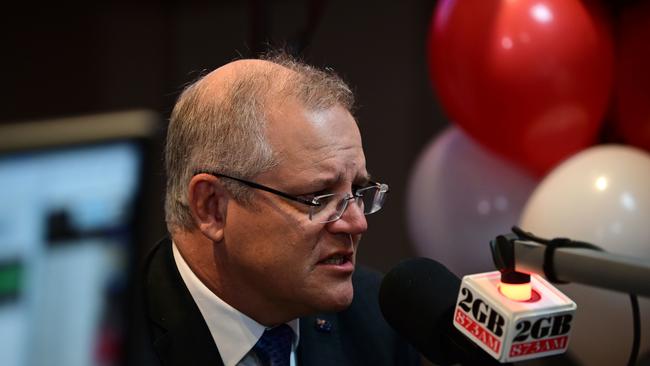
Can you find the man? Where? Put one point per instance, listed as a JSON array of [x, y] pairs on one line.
[[267, 194]]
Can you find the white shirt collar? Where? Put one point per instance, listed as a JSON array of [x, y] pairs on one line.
[[233, 332]]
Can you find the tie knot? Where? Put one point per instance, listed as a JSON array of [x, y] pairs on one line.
[[274, 347]]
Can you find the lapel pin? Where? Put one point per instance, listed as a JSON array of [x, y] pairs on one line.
[[323, 325]]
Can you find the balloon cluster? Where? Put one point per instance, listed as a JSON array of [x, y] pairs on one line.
[[538, 90]]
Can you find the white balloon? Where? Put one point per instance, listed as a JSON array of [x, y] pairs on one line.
[[602, 196], [460, 197]]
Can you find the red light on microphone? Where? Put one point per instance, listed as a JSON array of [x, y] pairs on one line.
[[516, 286], [516, 291]]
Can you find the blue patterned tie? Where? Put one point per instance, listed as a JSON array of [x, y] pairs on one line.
[[274, 348]]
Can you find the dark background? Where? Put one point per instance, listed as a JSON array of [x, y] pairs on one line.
[[85, 58]]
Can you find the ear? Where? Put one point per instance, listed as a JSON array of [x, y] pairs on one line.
[[208, 201]]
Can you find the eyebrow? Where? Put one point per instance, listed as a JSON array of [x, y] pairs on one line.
[[363, 179]]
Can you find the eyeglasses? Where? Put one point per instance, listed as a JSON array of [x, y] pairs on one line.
[[328, 207]]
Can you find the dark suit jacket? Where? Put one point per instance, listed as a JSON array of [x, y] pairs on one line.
[[180, 336]]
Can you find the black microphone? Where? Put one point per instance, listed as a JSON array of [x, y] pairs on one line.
[[417, 298]]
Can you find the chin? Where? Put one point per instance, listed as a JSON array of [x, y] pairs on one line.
[[339, 300], [342, 305]]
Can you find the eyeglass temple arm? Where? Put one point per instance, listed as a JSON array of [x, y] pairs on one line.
[[264, 188], [372, 182]]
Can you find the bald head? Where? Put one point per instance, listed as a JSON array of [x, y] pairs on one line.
[[265, 78], [219, 123], [241, 67], [273, 81]]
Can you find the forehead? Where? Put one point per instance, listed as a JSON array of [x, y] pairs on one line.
[[322, 142]]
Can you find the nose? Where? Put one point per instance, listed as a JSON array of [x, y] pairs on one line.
[[352, 221]]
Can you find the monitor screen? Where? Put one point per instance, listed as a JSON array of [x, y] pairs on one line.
[[66, 248]]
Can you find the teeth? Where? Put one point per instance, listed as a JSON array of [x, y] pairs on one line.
[[335, 260]]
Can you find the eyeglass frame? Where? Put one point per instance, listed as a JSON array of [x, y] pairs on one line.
[[289, 196]]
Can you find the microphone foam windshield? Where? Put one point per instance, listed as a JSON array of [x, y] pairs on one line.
[[417, 299]]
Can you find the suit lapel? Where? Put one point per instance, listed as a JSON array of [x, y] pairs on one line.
[[179, 332]]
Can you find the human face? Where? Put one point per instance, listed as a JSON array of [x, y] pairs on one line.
[[281, 260]]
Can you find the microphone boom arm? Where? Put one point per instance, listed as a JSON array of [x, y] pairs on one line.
[[580, 265], [589, 267]]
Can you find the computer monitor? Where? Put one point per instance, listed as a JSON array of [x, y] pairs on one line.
[[69, 192]]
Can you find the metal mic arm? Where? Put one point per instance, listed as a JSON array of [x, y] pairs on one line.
[[586, 266]]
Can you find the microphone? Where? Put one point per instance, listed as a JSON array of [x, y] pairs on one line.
[[417, 298], [478, 321]]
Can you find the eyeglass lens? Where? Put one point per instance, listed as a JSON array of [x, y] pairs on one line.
[[332, 207]]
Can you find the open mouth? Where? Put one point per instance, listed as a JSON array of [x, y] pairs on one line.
[[337, 259]]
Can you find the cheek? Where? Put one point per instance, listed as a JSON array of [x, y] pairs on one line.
[[268, 240]]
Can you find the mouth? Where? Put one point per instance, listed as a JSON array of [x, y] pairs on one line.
[[338, 261]]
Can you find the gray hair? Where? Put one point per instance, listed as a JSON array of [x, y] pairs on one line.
[[227, 134]]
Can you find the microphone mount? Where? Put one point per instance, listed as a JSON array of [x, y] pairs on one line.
[[562, 260]]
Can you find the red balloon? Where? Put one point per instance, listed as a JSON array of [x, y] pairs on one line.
[[529, 79], [632, 111]]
